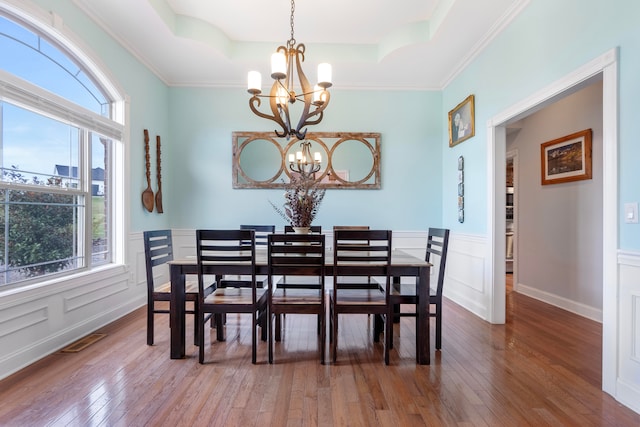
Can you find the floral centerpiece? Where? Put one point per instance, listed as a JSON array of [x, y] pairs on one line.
[[302, 200]]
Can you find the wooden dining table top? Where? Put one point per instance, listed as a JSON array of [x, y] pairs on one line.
[[399, 258]]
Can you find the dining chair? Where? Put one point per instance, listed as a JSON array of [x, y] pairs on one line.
[[282, 282], [221, 252], [261, 233], [301, 258], [158, 251], [362, 282], [405, 293], [356, 252]]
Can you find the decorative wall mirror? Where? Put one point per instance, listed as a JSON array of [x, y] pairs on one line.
[[348, 160]]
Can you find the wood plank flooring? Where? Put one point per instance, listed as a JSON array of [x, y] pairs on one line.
[[542, 368]]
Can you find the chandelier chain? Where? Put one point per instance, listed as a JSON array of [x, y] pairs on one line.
[[292, 40], [286, 66]]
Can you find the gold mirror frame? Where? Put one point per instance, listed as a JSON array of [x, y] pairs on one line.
[[327, 176]]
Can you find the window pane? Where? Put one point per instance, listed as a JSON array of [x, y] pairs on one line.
[[33, 58], [39, 234], [100, 218], [37, 149]]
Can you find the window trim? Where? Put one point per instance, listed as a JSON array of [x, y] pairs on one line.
[[27, 95]]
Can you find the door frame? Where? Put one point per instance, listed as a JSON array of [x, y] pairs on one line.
[[605, 68]]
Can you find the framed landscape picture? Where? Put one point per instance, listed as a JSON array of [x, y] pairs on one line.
[[566, 159], [462, 124]]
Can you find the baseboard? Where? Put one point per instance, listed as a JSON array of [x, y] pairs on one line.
[[580, 309]]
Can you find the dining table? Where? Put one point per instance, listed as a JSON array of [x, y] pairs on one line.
[[403, 264]]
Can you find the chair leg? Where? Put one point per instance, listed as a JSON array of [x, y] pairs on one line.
[[254, 337], [219, 327], [278, 331], [200, 327], [388, 323], [150, 314], [378, 327], [196, 316], [263, 320], [270, 335], [438, 326], [334, 344], [391, 333], [323, 337]]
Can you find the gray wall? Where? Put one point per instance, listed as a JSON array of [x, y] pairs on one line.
[[559, 226]]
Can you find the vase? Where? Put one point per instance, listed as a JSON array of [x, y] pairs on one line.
[[301, 230]]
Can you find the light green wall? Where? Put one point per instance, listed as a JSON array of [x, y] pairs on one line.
[[149, 98], [548, 40], [201, 193]]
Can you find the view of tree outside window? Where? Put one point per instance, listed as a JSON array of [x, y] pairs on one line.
[[54, 172]]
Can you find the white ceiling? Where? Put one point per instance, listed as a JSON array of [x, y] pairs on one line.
[[399, 44]]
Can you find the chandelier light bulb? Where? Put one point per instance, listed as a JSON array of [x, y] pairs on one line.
[[278, 66], [324, 75], [254, 82]]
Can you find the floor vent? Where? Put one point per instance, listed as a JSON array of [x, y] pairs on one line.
[[83, 343]]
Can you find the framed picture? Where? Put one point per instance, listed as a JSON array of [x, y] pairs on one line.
[[566, 159], [462, 124]]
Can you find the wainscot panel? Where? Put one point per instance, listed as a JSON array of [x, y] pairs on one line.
[[628, 382], [42, 319]]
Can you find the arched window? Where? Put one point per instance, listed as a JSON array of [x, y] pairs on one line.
[[58, 145]]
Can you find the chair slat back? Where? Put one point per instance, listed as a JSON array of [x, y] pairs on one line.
[[296, 254], [158, 250], [438, 244], [222, 252], [363, 248], [262, 231]]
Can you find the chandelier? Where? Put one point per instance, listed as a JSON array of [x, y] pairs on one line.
[[285, 62], [302, 163]]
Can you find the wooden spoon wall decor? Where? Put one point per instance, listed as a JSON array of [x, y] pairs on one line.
[[147, 194], [159, 193]]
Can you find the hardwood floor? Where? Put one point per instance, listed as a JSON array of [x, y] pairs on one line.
[[542, 368]]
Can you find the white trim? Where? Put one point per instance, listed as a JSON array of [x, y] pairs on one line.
[[630, 258], [610, 282], [583, 310], [511, 13], [27, 95]]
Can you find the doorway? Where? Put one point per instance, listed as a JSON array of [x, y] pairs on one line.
[[603, 68]]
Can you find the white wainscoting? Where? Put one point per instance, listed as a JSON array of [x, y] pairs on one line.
[[43, 318], [465, 280], [628, 381]]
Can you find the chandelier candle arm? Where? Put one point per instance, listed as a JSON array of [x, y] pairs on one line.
[[285, 63]]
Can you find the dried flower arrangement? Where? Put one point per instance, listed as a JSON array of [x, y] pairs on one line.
[[302, 200]]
